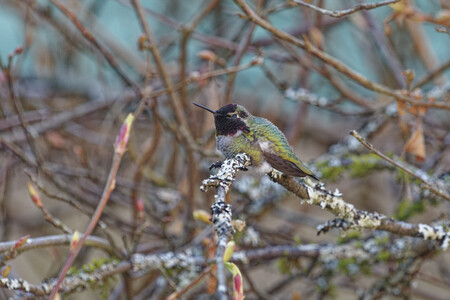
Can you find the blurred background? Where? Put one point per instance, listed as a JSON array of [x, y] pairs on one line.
[[72, 70]]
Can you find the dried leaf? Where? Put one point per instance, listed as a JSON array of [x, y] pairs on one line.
[[416, 143]]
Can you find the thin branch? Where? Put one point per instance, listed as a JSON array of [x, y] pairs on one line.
[[186, 32], [344, 12], [18, 105], [435, 190], [335, 63], [432, 75], [90, 37], [243, 46], [119, 150], [152, 45], [140, 264], [175, 103], [57, 240]]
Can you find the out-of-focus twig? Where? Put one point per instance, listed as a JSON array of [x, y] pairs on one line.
[[435, 190], [57, 240], [243, 46], [335, 63], [186, 32], [91, 38], [344, 12], [119, 149], [8, 69], [48, 217], [431, 75]]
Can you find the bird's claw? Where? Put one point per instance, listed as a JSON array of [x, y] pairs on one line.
[[215, 165]]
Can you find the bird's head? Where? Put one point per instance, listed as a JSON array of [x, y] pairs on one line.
[[229, 119]]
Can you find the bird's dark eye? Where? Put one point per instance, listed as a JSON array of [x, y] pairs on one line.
[[234, 116]]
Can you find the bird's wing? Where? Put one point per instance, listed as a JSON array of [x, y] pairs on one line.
[[286, 166], [282, 157]]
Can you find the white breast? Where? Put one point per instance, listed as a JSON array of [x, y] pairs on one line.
[[265, 146], [224, 141]]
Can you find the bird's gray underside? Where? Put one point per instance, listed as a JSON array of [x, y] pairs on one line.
[[283, 165]]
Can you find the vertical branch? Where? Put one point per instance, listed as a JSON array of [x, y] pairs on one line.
[[174, 100], [221, 211], [18, 105], [186, 33], [243, 46]]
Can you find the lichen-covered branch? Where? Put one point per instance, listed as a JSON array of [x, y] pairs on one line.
[[221, 211], [349, 217], [371, 250]]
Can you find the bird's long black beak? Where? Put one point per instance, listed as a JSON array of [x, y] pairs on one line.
[[204, 107]]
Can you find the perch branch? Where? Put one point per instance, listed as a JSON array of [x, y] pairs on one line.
[[221, 212], [349, 217]]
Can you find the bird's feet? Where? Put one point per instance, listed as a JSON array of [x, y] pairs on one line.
[[215, 165]]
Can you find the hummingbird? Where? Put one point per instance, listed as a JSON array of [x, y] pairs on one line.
[[238, 131]]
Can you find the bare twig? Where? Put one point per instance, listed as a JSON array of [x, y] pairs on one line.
[[435, 190], [48, 217], [90, 37], [431, 75], [119, 150], [18, 105], [338, 65], [152, 45], [186, 32], [344, 12], [57, 240], [243, 46]]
